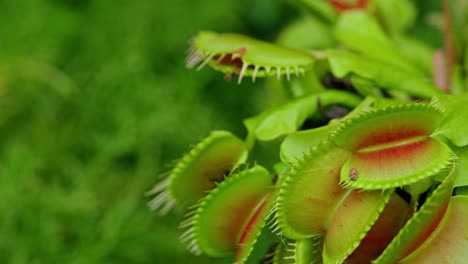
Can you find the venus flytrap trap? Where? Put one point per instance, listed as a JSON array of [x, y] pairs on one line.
[[383, 179], [379, 144], [237, 54], [304, 251], [207, 164], [219, 221]]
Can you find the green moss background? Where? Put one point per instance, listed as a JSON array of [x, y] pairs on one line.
[[95, 104]]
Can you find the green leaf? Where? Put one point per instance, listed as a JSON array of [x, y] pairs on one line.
[[255, 235], [306, 33], [461, 166], [310, 83], [238, 54], [397, 166], [449, 242], [289, 117], [386, 76], [365, 87], [353, 217], [387, 9], [200, 170], [308, 251], [453, 126], [319, 8], [457, 86], [420, 226], [310, 191], [362, 33], [303, 251], [466, 65], [382, 232], [297, 144], [417, 188], [262, 246], [280, 253], [416, 51], [388, 124], [219, 220], [391, 146]]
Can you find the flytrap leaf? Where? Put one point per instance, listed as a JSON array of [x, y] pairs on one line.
[[289, 117], [388, 124], [396, 166], [219, 221], [392, 146], [308, 251], [256, 231], [449, 242], [461, 167], [245, 56], [297, 144], [321, 9], [385, 10], [387, 76], [306, 33], [361, 32], [207, 164], [416, 51], [420, 226], [352, 219], [382, 232], [451, 127], [304, 251], [310, 192], [261, 250]]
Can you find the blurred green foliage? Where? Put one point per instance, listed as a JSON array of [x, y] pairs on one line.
[[95, 102]]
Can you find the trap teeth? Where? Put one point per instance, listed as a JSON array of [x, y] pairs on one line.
[[199, 171], [238, 54], [312, 186], [219, 221]]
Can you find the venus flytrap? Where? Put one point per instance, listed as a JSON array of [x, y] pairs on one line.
[[225, 207], [383, 182], [381, 139], [420, 225], [289, 117], [302, 208], [237, 54], [207, 164], [352, 218], [289, 251]]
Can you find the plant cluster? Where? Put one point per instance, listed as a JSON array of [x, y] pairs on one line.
[[373, 159]]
